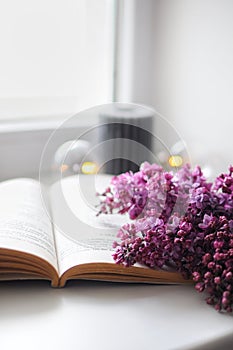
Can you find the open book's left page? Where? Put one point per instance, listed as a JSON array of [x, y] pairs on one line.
[[81, 236], [24, 223]]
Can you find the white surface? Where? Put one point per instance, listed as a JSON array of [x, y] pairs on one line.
[[91, 315]]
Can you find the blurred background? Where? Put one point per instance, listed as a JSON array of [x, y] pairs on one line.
[[59, 57]]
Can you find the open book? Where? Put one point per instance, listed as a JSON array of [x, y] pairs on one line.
[[63, 239]]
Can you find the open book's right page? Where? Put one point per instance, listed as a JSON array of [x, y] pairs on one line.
[[82, 236]]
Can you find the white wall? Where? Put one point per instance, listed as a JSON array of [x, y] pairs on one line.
[[193, 75]]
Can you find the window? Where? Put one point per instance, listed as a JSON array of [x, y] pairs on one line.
[[56, 56]]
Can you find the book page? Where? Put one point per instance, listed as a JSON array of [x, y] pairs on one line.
[[81, 236], [24, 223]]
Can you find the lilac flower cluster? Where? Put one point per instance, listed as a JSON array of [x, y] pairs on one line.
[[180, 219]]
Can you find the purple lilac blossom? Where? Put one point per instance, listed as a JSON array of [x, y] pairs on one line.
[[180, 219]]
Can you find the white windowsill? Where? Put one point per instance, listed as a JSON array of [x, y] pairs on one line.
[[39, 113], [49, 122]]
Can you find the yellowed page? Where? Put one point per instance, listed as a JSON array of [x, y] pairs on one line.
[[24, 223], [81, 236]]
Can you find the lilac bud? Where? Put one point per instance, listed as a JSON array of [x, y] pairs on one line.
[[196, 276], [181, 233], [217, 280], [229, 276], [206, 258], [218, 244], [211, 265], [217, 256], [225, 302], [199, 287], [208, 275]]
